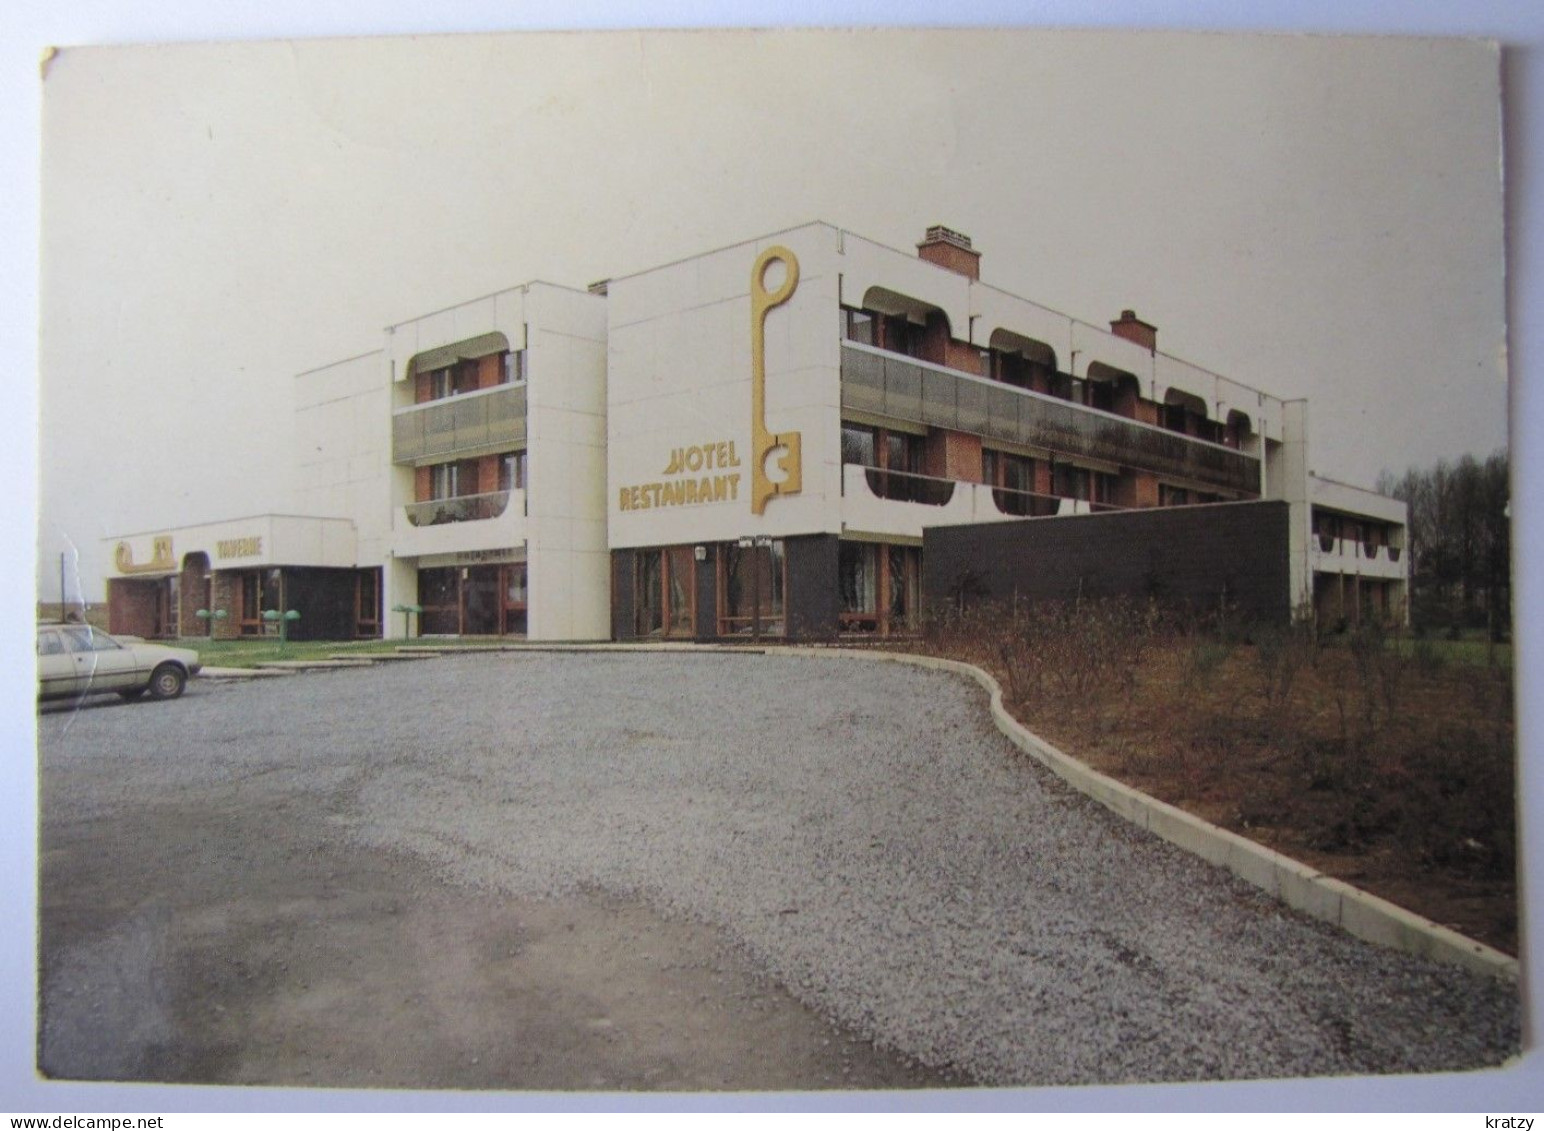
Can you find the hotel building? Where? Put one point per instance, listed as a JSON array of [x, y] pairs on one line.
[[802, 436]]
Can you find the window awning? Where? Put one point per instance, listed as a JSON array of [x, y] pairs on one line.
[[441, 356]]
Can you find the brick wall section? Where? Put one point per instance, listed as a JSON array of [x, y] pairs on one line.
[[1180, 556], [423, 484], [131, 606], [227, 596], [191, 595], [1136, 489], [1126, 399], [939, 347], [421, 388], [935, 339], [487, 477], [1133, 329], [952, 258], [490, 370], [952, 455], [963, 356]]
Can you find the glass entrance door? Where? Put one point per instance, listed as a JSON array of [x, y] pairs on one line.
[[481, 601], [751, 590]]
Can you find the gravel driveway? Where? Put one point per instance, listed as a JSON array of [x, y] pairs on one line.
[[856, 832]]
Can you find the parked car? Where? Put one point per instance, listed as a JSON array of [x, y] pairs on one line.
[[76, 659]]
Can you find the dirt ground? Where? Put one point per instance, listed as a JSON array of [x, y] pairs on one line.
[[300, 961], [1422, 814]]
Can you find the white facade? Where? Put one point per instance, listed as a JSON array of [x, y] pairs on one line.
[[680, 380], [626, 419], [349, 417], [256, 542], [679, 372]]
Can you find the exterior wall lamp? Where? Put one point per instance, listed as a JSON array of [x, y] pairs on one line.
[[209, 618], [284, 619], [406, 611]]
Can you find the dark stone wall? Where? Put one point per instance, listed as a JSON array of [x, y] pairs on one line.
[[1179, 556], [622, 595], [324, 598], [814, 597]]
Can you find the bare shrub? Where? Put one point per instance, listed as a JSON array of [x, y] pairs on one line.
[[1206, 657], [1280, 654], [1452, 798]]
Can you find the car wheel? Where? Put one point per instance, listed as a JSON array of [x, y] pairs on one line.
[[167, 681], [132, 693]]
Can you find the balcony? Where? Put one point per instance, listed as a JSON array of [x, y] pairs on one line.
[[470, 424], [1328, 554], [902, 388], [897, 503], [462, 508], [492, 521]]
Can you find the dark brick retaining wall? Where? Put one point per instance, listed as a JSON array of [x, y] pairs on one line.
[[1181, 556]]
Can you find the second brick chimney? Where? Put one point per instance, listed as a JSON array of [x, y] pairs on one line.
[[950, 249], [1133, 329]]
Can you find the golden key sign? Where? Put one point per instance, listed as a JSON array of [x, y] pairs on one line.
[[710, 472], [765, 444]]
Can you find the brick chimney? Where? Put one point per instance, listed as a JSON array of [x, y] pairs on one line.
[[1133, 329], [950, 249]]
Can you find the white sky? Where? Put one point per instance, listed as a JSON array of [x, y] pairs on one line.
[[1313, 216], [1066, 223]]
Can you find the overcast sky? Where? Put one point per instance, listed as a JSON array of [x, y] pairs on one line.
[[1313, 216]]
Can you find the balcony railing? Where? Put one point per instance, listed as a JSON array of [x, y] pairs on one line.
[[1356, 548], [485, 420], [1032, 504], [905, 487], [965, 502], [462, 508], [888, 384]]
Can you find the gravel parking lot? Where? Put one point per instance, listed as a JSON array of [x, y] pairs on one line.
[[663, 871]]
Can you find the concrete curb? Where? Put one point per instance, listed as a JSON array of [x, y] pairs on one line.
[[236, 673], [1302, 888]]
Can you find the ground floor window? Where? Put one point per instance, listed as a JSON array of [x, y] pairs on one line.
[[257, 590], [665, 592], [752, 587], [880, 587], [484, 600]]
